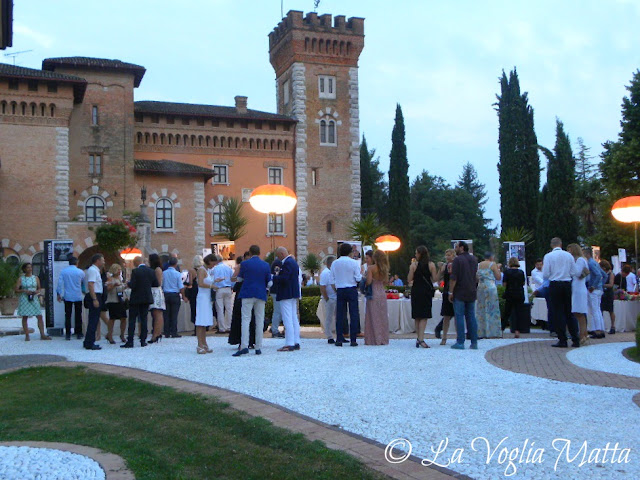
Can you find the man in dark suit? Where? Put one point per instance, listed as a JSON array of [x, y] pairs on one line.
[[256, 279], [276, 318], [287, 282], [142, 280]]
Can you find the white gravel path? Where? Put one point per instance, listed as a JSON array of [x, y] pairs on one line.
[[398, 391], [606, 357], [28, 463]]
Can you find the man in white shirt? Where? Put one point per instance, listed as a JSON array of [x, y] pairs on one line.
[[224, 304], [330, 298], [94, 283], [537, 278], [632, 282], [557, 266], [346, 274]]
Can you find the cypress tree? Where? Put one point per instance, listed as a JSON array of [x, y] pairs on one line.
[[399, 218], [557, 217], [519, 164], [366, 182]]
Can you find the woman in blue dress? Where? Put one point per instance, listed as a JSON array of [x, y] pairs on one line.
[[28, 286], [487, 303]]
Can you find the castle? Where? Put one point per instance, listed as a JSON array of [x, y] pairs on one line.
[[75, 148]]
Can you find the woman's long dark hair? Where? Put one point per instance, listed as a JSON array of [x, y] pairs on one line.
[[154, 261], [424, 256]]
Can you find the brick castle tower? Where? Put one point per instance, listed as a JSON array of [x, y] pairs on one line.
[[316, 65]]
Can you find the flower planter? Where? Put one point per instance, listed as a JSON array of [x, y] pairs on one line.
[[9, 305]]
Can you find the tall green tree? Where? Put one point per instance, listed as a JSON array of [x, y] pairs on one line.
[[557, 217], [400, 216], [588, 193], [441, 213], [519, 163], [468, 181], [373, 187], [620, 174]]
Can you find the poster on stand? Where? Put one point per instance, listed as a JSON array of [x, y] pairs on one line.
[[517, 250], [622, 255], [57, 253]]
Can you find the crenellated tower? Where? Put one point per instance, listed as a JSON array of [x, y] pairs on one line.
[[316, 65]]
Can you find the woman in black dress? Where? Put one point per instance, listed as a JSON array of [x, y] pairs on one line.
[[447, 307], [191, 287], [513, 294], [606, 304], [235, 332], [422, 273]]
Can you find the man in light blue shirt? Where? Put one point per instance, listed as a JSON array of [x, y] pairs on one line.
[[397, 282], [173, 289], [224, 305], [595, 281], [70, 291]]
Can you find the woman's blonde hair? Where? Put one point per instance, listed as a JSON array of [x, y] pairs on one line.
[[114, 268], [382, 262], [513, 262], [450, 251], [197, 262], [575, 250]]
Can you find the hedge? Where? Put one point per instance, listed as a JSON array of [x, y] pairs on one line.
[[638, 333], [308, 307]]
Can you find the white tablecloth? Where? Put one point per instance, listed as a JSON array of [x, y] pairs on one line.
[[626, 315], [399, 313], [539, 309]]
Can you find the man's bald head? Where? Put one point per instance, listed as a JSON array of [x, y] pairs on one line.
[[137, 261], [282, 253], [556, 242]]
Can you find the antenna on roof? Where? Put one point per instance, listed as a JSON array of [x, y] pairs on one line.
[[315, 5], [15, 54]]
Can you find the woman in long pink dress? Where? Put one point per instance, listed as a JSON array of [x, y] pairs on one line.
[[376, 324]]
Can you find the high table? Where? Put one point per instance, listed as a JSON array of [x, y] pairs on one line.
[[626, 315], [399, 315]]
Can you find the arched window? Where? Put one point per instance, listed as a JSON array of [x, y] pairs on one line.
[[170, 139], [147, 138], [328, 132], [52, 110], [23, 105], [3, 106], [329, 226], [34, 109], [139, 137], [93, 209], [38, 263], [14, 105], [216, 218], [164, 214], [43, 110]]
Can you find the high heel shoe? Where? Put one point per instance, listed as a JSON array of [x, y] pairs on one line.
[[156, 339], [201, 350], [443, 342], [110, 340], [417, 343], [423, 344], [122, 339]]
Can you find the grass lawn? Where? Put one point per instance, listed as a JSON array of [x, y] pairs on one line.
[[160, 432], [632, 353]]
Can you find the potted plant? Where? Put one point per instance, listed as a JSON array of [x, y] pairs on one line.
[[9, 274]]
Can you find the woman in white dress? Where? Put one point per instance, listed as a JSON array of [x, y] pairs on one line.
[[579, 292], [204, 311]]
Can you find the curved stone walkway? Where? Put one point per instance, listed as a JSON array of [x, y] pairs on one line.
[[539, 359]]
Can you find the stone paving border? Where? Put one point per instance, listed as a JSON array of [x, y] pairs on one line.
[[12, 362], [114, 466], [539, 359], [370, 452]]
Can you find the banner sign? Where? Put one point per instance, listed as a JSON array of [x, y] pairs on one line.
[[57, 253], [517, 250]]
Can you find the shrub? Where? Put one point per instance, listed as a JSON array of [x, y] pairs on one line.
[[8, 278], [113, 235], [311, 291], [308, 307], [638, 333]]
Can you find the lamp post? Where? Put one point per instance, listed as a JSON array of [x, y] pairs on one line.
[[273, 200], [627, 210], [388, 243]]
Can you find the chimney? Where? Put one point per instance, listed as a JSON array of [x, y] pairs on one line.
[[241, 104]]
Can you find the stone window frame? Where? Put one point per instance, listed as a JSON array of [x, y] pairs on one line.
[[326, 119], [327, 86], [175, 203], [279, 219], [216, 227], [216, 174], [95, 168], [274, 169], [95, 117], [164, 209], [98, 212]]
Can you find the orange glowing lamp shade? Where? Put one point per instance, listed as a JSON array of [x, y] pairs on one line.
[[388, 243], [130, 253], [627, 210], [276, 199]]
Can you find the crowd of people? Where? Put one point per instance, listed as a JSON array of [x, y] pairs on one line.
[[575, 286]]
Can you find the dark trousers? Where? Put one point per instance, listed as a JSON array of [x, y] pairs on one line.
[[138, 311], [512, 312], [92, 325], [172, 307], [68, 307], [560, 299], [347, 297]]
